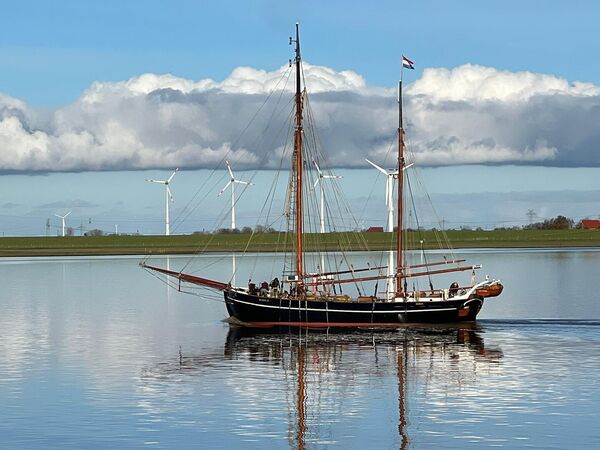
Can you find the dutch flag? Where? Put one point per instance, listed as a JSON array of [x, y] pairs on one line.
[[407, 63]]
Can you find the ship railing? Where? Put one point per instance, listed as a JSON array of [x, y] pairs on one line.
[[443, 294]]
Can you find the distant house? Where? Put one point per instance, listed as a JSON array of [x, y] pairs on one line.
[[94, 232], [375, 230], [590, 224]]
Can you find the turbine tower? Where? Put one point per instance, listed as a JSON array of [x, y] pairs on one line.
[[232, 181], [389, 193], [320, 180], [63, 221], [168, 198]]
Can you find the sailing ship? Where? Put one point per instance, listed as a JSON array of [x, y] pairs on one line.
[[313, 297]]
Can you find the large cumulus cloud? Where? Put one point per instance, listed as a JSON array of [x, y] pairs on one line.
[[470, 114], [477, 114]]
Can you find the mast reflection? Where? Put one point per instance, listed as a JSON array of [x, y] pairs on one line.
[[328, 381]]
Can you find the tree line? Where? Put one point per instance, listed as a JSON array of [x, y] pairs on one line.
[[556, 223]]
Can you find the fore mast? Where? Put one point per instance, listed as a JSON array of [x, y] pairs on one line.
[[298, 165]]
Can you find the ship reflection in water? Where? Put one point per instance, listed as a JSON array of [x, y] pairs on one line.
[[354, 388]]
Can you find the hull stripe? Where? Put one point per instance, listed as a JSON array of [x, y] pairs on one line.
[[369, 312], [332, 324]]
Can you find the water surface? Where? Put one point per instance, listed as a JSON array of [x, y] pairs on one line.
[[95, 353]]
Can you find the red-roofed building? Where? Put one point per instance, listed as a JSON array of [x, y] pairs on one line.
[[375, 230], [590, 224]]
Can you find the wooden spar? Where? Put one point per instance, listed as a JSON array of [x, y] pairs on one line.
[[298, 164], [435, 272], [324, 274], [416, 266], [189, 278], [382, 277], [437, 263], [400, 204]]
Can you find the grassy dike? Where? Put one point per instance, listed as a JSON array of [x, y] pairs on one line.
[[274, 242]]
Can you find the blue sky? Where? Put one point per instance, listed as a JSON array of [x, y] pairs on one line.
[[52, 51], [58, 58]]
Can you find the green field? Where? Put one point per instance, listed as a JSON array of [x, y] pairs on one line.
[[275, 242]]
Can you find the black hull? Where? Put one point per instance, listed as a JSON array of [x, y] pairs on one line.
[[263, 311]]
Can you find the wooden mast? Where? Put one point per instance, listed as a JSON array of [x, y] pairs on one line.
[[399, 248], [298, 165]]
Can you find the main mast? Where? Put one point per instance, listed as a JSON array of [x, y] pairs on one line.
[[298, 164], [399, 248]]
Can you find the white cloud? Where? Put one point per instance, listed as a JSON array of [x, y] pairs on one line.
[[477, 83], [470, 114], [474, 114], [7, 102], [455, 152], [242, 80]]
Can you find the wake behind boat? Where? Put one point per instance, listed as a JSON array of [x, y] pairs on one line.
[[311, 290]]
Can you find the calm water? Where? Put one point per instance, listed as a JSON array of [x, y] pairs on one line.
[[96, 353]]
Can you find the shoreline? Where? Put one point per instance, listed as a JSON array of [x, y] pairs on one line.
[[276, 242]]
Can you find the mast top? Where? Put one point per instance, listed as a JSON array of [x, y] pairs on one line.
[[297, 42]]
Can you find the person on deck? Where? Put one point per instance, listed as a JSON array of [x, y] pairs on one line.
[[275, 286], [453, 289], [251, 288], [264, 289]]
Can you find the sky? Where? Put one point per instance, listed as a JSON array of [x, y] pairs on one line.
[[501, 111]]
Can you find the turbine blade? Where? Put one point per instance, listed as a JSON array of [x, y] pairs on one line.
[[382, 170], [242, 182], [170, 194], [172, 175], [407, 166], [157, 181], [316, 182], [68, 213], [223, 190], [229, 169], [318, 169]]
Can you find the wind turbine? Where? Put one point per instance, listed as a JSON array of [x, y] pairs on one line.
[[232, 181], [168, 198], [320, 180], [389, 201], [63, 221], [389, 193]]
